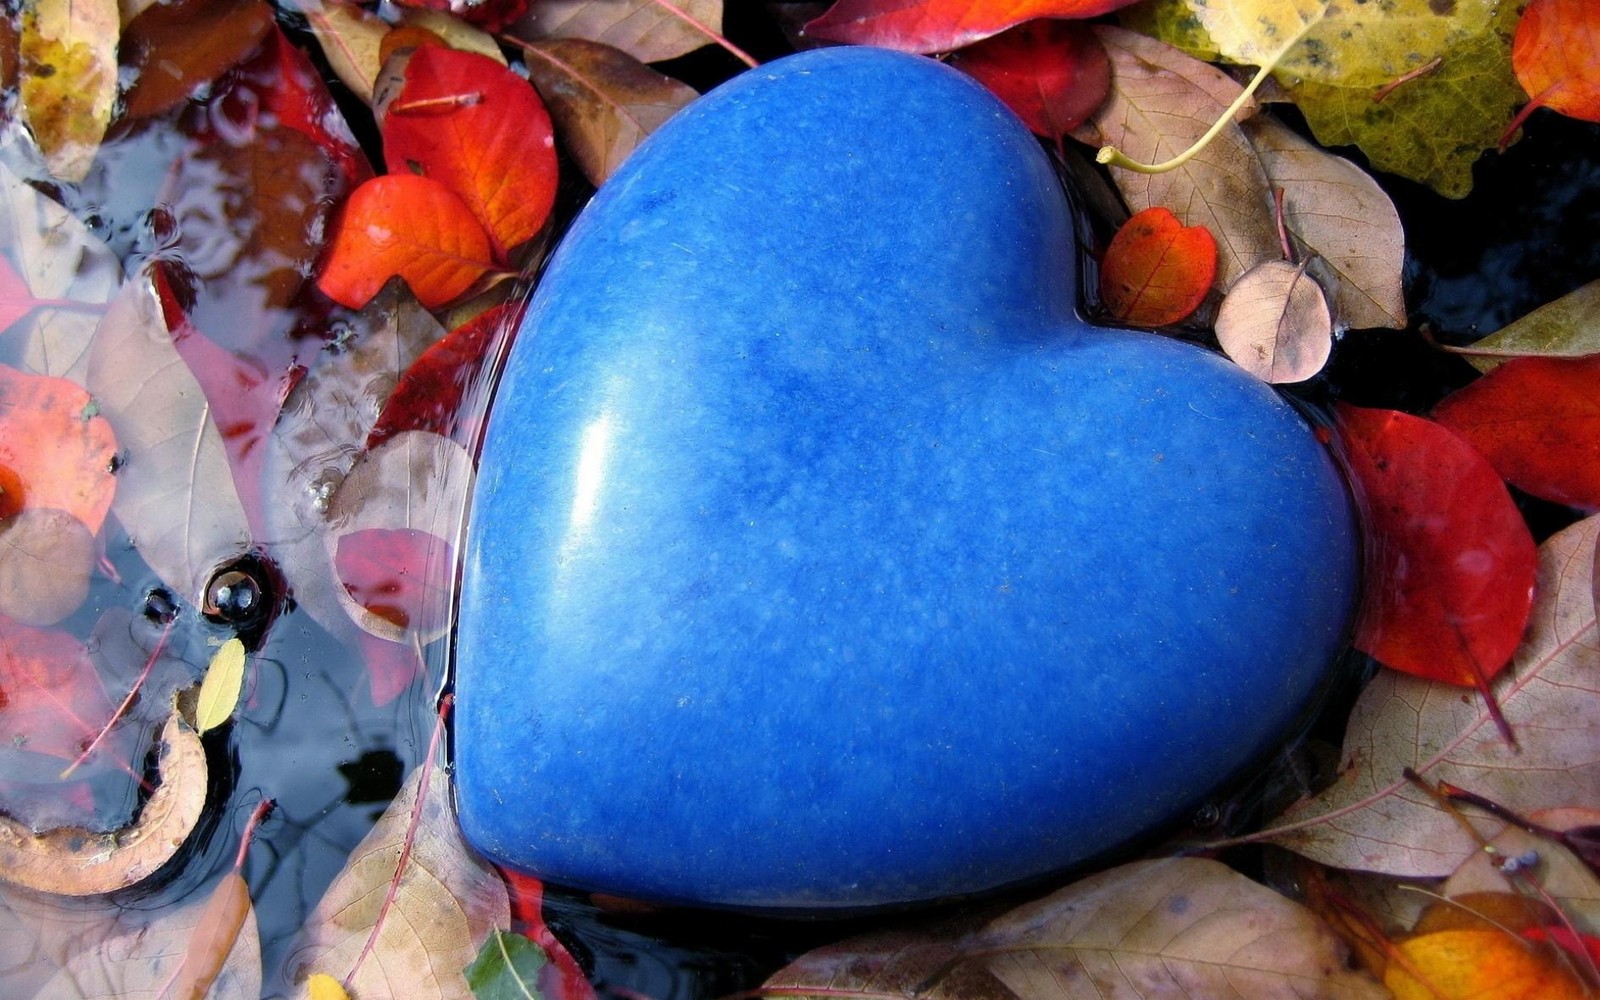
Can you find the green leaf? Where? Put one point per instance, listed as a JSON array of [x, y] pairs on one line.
[[507, 968], [1569, 327], [219, 691]]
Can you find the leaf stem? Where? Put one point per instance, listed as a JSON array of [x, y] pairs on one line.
[[704, 29], [133, 692], [1111, 156]]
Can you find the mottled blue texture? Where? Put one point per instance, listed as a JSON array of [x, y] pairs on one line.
[[821, 556]]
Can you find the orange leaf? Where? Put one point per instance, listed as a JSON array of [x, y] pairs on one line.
[[54, 447], [940, 25], [16, 300], [1479, 965], [404, 225], [1556, 56], [1053, 74], [1157, 271], [480, 130]]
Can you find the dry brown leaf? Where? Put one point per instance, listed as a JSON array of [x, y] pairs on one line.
[[604, 101], [1335, 210], [1572, 884], [46, 557], [69, 79], [175, 496], [456, 33], [446, 903], [1152, 930], [75, 862], [644, 29], [1373, 819], [1161, 101], [41, 933], [1274, 323], [351, 40]]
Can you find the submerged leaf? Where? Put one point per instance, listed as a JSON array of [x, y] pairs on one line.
[[507, 968], [52, 700], [69, 79], [1274, 323], [56, 451], [46, 558], [177, 48]]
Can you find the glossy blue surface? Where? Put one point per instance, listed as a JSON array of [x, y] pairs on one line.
[[820, 555]]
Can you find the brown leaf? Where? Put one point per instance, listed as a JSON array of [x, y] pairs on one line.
[[899, 961], [69, 79], [446, 903], [175, 491], [1161, 101], [46, 557], [1571, 883], [70, 861], [645, 29], [351, 41], [177, 48], [41, 933], [1373, 819], [1274, 323], [603, 100], [1336, 211]]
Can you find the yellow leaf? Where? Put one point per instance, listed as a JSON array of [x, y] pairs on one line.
[[219, 692], [325, 987], [69, 79], [1478, 965]]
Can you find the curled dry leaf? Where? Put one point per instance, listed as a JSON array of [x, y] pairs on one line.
[[648, 30], [1053, 74], [56, 451], [603, 100], [1157, 270], [1161, 101], [446, 903], [175, 491], [69, 79], [46, 558], [1178, 927], [1569, 327], [1338, 215], [1373, 819], [1274, 323], [940, 25], [75, 862]]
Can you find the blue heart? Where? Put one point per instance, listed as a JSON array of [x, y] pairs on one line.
[[823, 557]]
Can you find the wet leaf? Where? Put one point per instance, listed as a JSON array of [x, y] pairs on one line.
[[1373, 819], [287, 87], [1053, 74], [56, 450], [1176, 927], [1274, 323], [1340, 221], [351, 39], [429, 394], [46, 557], [1450, 562], [69, 79], [491, 15], [940, 25], [560, 978], [1157, 271], [52, 700], [471, 124], [1569, 882], [406, 226], [1162, 101], [76, 862], [453, 31], [1537, 421], [1556, 56], [507, 968], [219, 690], [41, 933], [176, 49], [603, 100], [1473, 964], [645, 29], [322, 986], [446, 904], [175, 491], [1569, 327]]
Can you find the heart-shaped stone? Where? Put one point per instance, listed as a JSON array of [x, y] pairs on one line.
[[821, 555]]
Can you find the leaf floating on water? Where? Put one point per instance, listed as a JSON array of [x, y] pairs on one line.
[[1373, 819], [46, 559], [56, 450], [1274, 323], [604, 101], [1157, 270], [940, 25], [507, 968], [1569, 327], [52, 700], [219, 690], [645, 29], [69, 79]]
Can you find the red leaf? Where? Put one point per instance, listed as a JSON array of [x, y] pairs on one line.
[[391, 666], [1537, 421], [561, 979], [289, 88], [1156, 271], [479, 129], [1556, 56], [401, 575], [940, 25], [1450, 562], [1053, 74], [428, 395], [55, 450], [409, 226], [51, 698], [490, 15]]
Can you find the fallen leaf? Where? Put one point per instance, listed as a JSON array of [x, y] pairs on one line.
[[1570, 883], [648, 30], [490, 15], [1274, 323], [406, 226], [1156, 270], [175, 49], [1174, 927], [1473, 964], [1537, 421], [429, 395], [219, 690], [52, 700], [1450, 562], [322, 986], [453, 31], [1569, 327], [603, 100], [175, 496], [56, 449], [471, 124], [46, 558], [71, 861], [1556, 56], [282, 80], [1373, 819], [508, 966], [446, 904], [940, 25], [351, 39], [68, 50], [1053, 74], [1161, 101], [41, 933], [1340, 221]]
